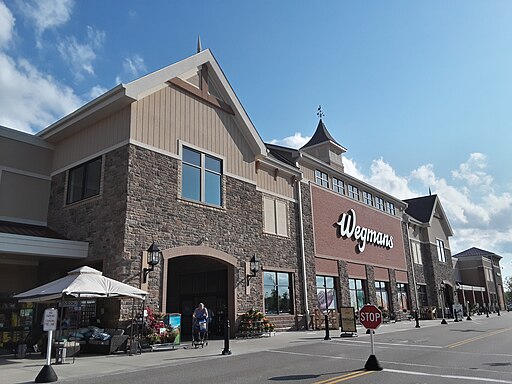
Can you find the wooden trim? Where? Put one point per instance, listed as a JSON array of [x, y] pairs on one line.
[[210, 99]]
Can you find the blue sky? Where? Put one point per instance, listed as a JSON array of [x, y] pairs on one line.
[[419, 93]]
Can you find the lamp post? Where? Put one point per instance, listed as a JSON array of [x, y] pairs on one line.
[[154, 254], [254, 267], [441, 293]]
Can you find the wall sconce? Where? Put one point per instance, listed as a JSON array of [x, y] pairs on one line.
[[153, 259], [254, 267]]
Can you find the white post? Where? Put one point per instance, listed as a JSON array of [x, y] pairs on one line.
[[371, 341], [49, 347]]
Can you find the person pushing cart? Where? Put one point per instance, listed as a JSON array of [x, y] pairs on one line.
[[200, 326]]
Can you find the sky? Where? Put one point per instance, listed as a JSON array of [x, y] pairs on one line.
[[419, 93]]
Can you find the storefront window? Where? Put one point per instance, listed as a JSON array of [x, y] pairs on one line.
[[201, 177], [278, 292], [325, 292], [357, 295], [381, 288], [402, 296]]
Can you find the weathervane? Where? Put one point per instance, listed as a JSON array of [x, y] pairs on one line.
[[319, 112]]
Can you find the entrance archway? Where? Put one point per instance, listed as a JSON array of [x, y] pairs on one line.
[[199, 274]]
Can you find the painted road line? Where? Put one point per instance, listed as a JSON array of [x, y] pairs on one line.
[[451, 377], [392, 344], [479, 337], [348, 376]]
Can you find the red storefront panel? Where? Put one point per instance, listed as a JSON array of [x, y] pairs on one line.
[[326, 266], [401, 277], [356, 271], [328, 209], [381, 274]]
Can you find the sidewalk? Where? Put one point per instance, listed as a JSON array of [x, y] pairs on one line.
[[87, 366]]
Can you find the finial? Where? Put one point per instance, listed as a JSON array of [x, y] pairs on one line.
[[199, 48], [429, 191], [319, 112]]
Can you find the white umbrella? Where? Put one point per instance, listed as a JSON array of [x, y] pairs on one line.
[[82, 282]]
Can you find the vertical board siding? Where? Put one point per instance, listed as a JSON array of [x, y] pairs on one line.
[[282, 185], [169, 115], [93, 139]]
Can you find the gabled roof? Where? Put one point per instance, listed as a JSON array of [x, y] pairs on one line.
[[476, 252], [284, 154], [125, 94], [421, 208], [322, 136]]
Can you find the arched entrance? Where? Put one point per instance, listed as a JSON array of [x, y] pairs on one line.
[[194, 275]]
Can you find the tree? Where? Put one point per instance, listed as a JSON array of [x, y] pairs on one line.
[[508, 289]]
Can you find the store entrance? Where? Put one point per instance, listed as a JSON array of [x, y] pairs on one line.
[[198, 279]]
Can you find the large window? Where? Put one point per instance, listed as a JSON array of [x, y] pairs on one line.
[[353, 192], [321, 178], [416, 252], [381, 289], [278, 292], [357, 295], [402, 296], [422, 295], [390, 208], [338, 186], [276, 216], [440, 251], [379, 203], [368, 198], [202, 177], [325, 292], [84, 181]]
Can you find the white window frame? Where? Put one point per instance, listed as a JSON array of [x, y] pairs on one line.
[[353, 192], [390, 208], [441, 254], [379, 203], [368, 198], [275, 221], [416, 252], [321, 178], [338, 186]]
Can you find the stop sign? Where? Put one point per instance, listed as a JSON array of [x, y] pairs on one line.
[[370, 316]]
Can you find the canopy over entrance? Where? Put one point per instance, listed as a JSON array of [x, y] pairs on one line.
[[82, 282]]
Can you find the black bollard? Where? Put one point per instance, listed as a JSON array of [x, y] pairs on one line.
[[226, 350], [327, 337], [417, 318], [487, 311], [498, 310]]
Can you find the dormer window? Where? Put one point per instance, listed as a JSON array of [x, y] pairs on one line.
[[390, 208], [338, 186], [321, 178], [353, 192], [368, 198], [379, 203]]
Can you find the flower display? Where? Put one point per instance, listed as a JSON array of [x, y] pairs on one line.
[[156, 330], [254, 323]]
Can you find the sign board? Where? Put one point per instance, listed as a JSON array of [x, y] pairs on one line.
[[50, 319], [457, 308], [348, 319], [370, 316]]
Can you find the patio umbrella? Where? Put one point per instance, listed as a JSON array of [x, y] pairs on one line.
[[83, 282]]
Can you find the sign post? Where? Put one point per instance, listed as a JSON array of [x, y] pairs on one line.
[[371, 318], [47, 374]]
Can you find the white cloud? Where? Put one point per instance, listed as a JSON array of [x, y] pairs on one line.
[[30, 100], [296, 141], [46, 14], [6, 25], [80, 56], [473, 171], [96, 91], [133, 67]]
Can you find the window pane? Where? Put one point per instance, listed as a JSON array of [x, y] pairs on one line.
[[329, 282], [360, 298], [93, 178], [75, 181], [270, 300], [320, 295], [352, 284], [212, 188], [320, 281], [284, 300], [269, 278], [213, 164], [283, 279], [353, 300], [191, 188], [331, 298], [191, 157], [359, 284]]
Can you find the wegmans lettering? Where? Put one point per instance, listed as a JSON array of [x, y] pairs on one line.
[[349, 228]]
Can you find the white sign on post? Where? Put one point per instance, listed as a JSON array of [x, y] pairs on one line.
[[50, 319]]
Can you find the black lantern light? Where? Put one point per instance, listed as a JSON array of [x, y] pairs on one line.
[[153, 259], [254, 267]]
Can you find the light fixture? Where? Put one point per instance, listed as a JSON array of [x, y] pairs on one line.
[[254, 267], [153, 259]]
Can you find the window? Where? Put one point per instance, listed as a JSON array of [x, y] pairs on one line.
[[440, 251], [84, 181], [325, 292], [379, 203], [338, 186], [201, 177], [321, 178], [422, 295], [275, 216], [390, 208], [416, 252], [277, 287], [368, 198], [353, 192], [381, 289], [402, 296], [357, 296]]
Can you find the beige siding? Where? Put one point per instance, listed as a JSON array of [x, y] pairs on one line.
[[280, 185], [92, 140], [163, 118], [24, 197], [25, 157], [308, 173]]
